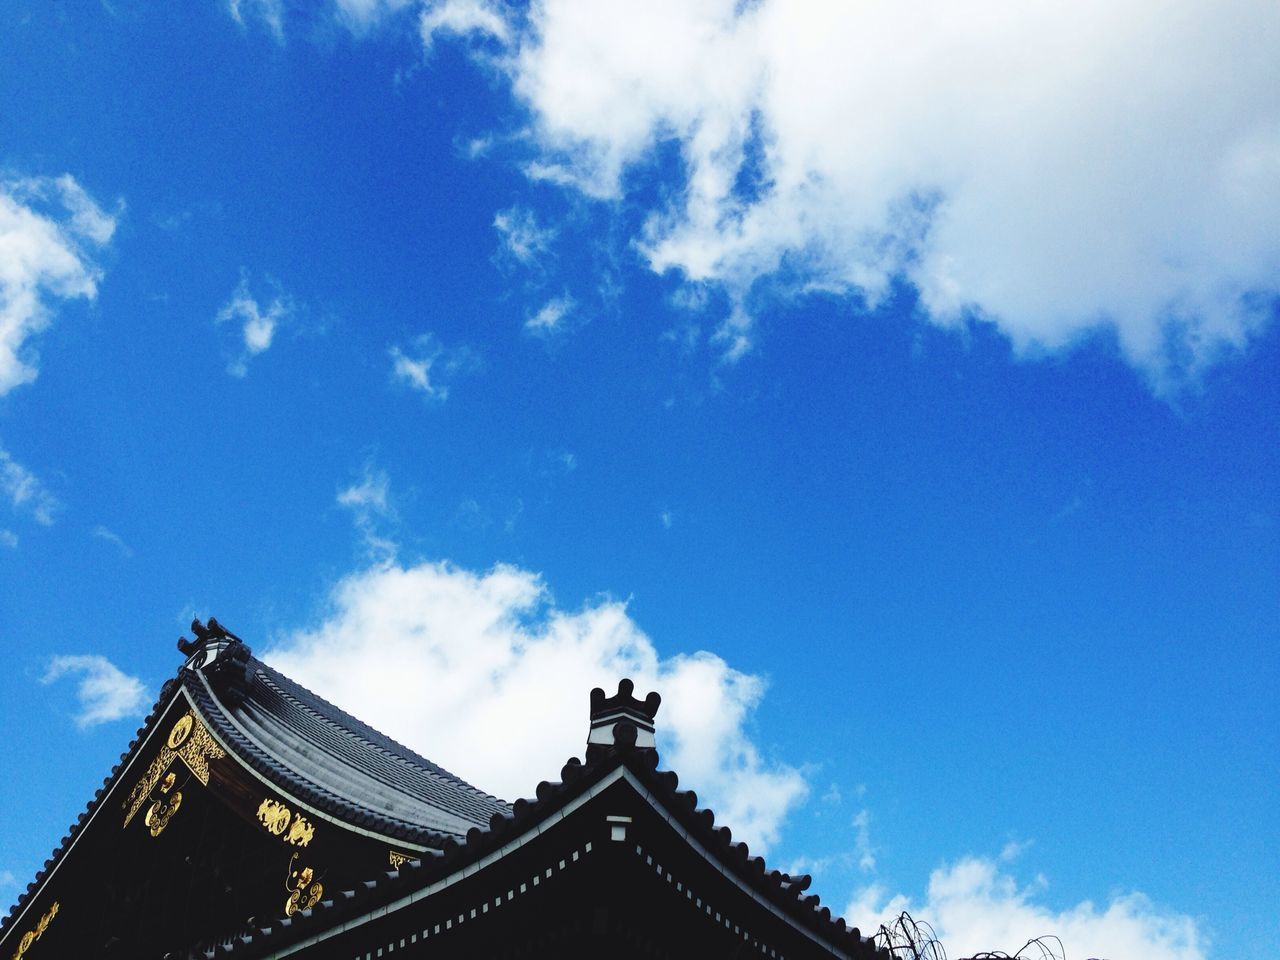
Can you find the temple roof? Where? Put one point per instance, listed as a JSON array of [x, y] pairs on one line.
[[323, 757], [623, 758], [333, 761], [305, 747]]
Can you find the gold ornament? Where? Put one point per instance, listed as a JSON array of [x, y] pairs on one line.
[[300, 831], [274, 816], [303, 893], [181, 730], [31, 936], [161, 812], [291, 827], [189, 742]]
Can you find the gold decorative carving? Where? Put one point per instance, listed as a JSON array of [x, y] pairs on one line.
[[398, 859], [274, 816], [304, 891], [161, 812], [189, 742], [300, 831], [198, 749], [181, 730], [292, 827], [36, 932], [142, 789]]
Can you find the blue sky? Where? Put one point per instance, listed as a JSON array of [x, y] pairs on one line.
[[896, 392]]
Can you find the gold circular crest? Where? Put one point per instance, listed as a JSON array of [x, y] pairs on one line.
[[181, 730], [161, 812]]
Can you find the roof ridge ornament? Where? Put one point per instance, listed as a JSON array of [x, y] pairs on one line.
[[205, 633], [621, 721], [221, 656]]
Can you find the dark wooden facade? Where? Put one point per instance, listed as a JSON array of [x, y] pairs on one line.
[[251, 819]]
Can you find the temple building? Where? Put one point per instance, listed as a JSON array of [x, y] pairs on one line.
[[251, 819]]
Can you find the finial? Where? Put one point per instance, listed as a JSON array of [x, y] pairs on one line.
[[621, 721]]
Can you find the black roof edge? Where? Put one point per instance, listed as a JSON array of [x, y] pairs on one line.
[[168, 691], [783, 891]]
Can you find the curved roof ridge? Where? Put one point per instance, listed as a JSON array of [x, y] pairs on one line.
[[324, 710], [309, 749]]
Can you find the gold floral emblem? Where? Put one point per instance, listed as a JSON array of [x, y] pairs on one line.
[[304, 891], [181, 730], [274, 815], [161, 812], [292, 827], [300, 831]]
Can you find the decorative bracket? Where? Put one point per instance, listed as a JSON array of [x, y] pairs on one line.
[[190, 742]]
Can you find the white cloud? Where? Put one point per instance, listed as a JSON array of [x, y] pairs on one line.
[[522, 239], [863, 850], [369, 494], [463, 18], [105, 692], [424, 366], [257, 326], [104, 533], [269, 12], [360, 15], [506, 666], [369, 500], [25, 492], [552, 318], [7, 879], [50, 229], [1055, 168], [974, 906], [8, 539]]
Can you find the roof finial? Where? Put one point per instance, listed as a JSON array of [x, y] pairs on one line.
[[205, 633], [621, 721]]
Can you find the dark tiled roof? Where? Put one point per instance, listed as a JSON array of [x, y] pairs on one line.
[[786, 893], [318, 753], [166, 694], [336, 763], [364, 778]]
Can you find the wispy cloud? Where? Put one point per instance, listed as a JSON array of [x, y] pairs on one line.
[[270, 13], [104, 691], [369, 500], [975, 905], [498, 651], [256, 326], [427, 368], [523, 241], [477, 19], [25, 492], [862, 841], [552, 318], [7, 879], [50, 232], [103, 533], [8, 539]]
